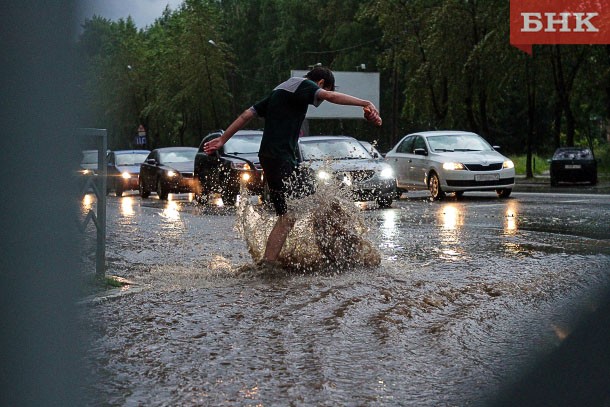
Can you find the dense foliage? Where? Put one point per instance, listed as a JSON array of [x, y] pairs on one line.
[[443, 64]]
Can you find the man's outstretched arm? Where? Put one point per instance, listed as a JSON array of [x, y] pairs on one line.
[[237, 124]]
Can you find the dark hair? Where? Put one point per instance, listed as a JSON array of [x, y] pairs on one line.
[[320, 72]]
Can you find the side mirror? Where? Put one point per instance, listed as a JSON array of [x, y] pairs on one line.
[[549, 160], [151, 161], [497, 148], [420, 151]]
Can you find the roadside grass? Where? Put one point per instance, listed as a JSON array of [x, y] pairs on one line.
[[95, 284], [539, 164]]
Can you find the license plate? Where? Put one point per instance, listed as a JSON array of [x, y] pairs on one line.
[[487, 177], [572, 166]]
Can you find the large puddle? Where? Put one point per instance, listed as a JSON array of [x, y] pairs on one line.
[[462, 294]]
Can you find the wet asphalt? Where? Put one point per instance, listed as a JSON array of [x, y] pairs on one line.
[[468, 292]]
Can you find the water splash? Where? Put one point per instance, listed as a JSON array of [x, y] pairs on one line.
[[329, 234]]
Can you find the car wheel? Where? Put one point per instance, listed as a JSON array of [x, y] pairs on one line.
[[594, 181], [118, 190], [504, 193], [553, 182], [384, 202], [161, 191], [434, 185], [144, 193]]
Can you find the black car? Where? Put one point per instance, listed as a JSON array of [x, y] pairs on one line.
[[123, 170], [344, 160], [573, 164], [168, 170], [234, 164]]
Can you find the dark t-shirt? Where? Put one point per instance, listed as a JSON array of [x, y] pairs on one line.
[[284, 111]]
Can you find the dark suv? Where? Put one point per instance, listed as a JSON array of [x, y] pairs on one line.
[[234, 164]]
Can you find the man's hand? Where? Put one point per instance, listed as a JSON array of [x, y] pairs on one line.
[[212, 146], [371, 114]]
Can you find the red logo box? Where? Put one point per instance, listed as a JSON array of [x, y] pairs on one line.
[[559, 22]]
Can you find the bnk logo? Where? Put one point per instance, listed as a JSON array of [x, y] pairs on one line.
[[552, 22], [559, 22]]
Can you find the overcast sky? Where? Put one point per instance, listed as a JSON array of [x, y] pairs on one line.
[[143, 12]]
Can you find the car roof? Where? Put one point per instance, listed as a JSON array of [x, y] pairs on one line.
[[130, 151], [323, 138], [175, 148], [442, 133], [571, 149]]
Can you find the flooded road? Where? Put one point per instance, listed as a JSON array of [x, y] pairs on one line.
[[467, 291]]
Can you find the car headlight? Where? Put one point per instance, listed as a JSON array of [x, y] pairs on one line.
[[508, 164], [453, 166], [323, 175], [171, 173], [240, 166], [245, 177], [386, 173], [87, 172], [126, 175]]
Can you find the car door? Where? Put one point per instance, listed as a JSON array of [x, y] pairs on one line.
[[148, 171], [207, 166], [111, 173], [400, 160], [418, 165]]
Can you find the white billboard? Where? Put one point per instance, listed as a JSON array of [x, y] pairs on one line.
[[364, 85]]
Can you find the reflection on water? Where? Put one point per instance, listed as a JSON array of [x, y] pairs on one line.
[[171, 211], [510, 219], [451, 219], [127, 206], [87, 202]]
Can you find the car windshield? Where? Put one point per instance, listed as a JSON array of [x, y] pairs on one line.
[[130, 159], [572, 154], [178, 156], [333, 150], [243, 144], [461, 142], [89, 157]]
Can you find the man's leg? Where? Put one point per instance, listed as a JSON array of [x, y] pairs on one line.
[[278, 237]]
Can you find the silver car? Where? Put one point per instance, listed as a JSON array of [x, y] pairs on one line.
[[344, 160], [450, 161]]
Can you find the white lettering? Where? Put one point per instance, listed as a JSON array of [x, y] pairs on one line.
[[580, 22], [531, 22], [551, 21]]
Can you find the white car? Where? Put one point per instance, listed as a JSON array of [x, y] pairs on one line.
[[450, 161]]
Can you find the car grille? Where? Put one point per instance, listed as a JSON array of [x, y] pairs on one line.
[[356, 176], [472, 183], [480, 167]]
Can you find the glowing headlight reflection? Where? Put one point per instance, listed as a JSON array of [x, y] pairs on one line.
[[127, 206], [245, 177], [323, 175], [171, 173], [453, 166], [126, 175], [387, 173], [171, 211], [510, 219]]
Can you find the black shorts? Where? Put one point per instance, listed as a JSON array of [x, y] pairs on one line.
[[278, 174]]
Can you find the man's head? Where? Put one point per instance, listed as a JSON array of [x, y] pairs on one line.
[[320, 73]]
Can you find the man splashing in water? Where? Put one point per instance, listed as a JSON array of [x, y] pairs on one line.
[[284, 110]]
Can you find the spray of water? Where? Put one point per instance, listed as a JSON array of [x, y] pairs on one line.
[[329, 234]]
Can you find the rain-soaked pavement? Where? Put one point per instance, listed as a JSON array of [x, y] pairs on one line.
[[467, 290]]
